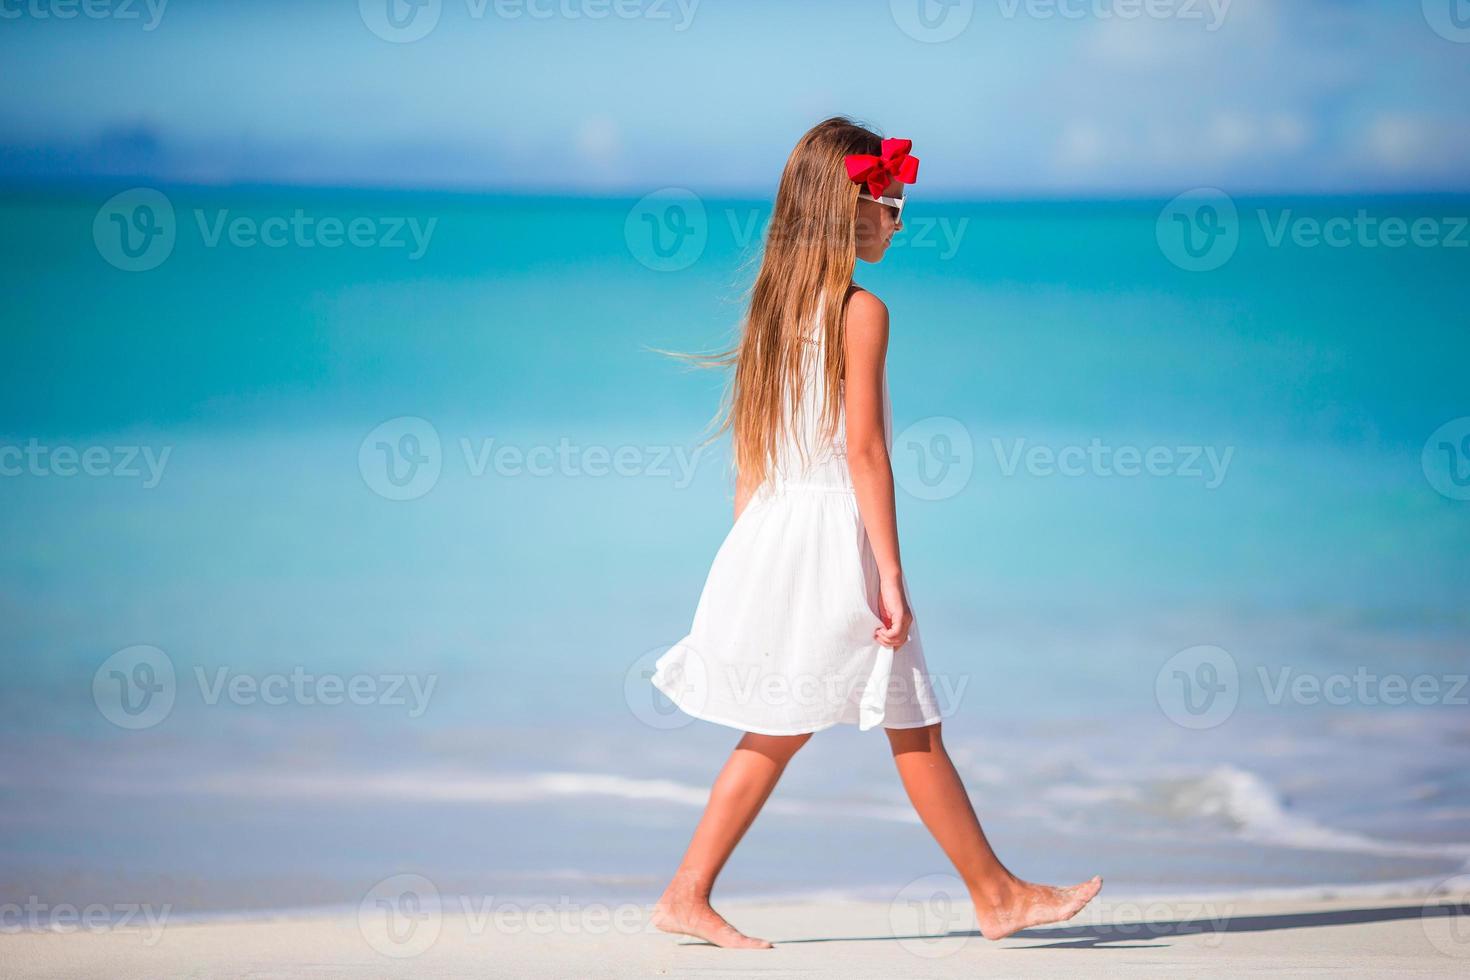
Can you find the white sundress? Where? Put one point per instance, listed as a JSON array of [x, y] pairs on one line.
[[782, 640]]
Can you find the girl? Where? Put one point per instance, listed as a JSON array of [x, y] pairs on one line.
[[804, 621]]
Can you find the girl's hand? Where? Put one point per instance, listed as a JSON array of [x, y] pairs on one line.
[[897, 618]]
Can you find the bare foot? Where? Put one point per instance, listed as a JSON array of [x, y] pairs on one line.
[[694, 917], [1033, 905]]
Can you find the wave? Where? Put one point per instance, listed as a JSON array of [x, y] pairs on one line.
[[1238, 802], [531, 787], [1253, 809]]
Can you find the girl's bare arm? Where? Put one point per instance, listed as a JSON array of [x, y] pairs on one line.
[[867, 456]]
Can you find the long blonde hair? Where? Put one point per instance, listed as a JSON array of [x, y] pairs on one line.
[[807, 266]]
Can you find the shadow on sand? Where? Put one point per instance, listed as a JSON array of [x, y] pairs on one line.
[[1092, 935], [1131, 933]]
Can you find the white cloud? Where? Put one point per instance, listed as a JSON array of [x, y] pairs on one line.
[[599, 139], [1240, 134], [1082, 144], [1416, 143]]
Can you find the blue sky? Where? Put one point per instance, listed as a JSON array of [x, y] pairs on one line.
[[1029, 97]]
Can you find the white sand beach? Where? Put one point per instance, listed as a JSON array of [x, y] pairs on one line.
[[1221, 937]]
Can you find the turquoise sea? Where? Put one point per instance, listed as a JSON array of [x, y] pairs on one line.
[[342, 529]]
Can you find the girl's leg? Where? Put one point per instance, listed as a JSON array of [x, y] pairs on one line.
[[737, 796], [1004, 904]]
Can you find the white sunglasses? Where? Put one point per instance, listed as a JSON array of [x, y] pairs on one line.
[[896, 203]]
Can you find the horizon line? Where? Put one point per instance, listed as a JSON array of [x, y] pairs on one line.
[[11, 185]]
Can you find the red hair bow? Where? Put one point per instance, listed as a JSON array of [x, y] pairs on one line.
[[894, 163]]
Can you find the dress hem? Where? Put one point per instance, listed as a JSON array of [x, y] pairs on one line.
[[704, 716]]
